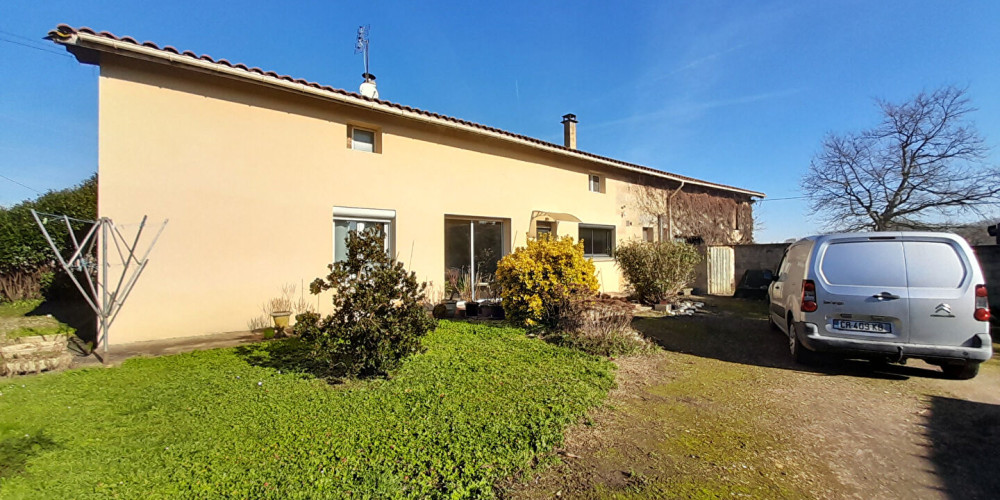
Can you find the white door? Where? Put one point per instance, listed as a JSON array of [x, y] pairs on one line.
[[721, 271]]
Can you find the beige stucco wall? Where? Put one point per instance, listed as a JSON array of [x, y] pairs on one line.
[[248, 178]]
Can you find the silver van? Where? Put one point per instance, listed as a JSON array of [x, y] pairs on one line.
[[884, 296]]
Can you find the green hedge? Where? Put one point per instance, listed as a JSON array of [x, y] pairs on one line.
[[25, 256]]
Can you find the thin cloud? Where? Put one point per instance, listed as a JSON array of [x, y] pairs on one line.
[[700, 61], [693, 109], [765, 96]]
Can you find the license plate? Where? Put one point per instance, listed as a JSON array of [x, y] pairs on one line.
[[862, 326]]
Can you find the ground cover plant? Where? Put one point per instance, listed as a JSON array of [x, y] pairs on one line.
[[480, 404]]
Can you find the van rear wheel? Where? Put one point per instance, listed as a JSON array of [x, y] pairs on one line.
[[798, 351], [964, 371]]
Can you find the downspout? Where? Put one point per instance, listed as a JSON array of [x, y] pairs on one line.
[[670, 211]]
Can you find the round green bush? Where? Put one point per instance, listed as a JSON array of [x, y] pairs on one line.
[[536, 280], [656, 270]]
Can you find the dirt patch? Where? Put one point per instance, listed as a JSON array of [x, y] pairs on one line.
[[724, 412]]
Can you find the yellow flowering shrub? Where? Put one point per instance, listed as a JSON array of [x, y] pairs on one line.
[[536, 280]]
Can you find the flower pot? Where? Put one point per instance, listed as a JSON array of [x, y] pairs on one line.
[[471, 309], [485, 310], [498, 312], [280, 319]]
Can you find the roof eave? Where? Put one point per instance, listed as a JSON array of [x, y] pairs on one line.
[[87, 49]]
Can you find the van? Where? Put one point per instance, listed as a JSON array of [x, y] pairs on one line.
[[884, 296]]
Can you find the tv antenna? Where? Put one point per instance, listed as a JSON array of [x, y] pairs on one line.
[[361, 46], [368, 87]]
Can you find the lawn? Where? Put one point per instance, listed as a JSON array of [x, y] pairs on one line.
[[16, 309], [479, 405], [15, 323]]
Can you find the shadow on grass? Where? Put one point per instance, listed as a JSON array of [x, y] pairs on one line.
[[15, 452], [290, 355], [965, 437], [734, 330], [73, 312]]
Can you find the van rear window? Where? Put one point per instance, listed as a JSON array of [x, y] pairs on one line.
[[933, 264], [865, 263]]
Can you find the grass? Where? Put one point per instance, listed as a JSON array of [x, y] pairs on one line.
[[695, 421], [14, 323], [38, 328], [18, 308], [479, 405]]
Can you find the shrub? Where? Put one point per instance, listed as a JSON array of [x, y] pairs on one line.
[[378, 318], [24, 254], [598, 325], [535, 281], [656, 270]]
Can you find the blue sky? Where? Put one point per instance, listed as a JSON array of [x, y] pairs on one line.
[[739, 93]]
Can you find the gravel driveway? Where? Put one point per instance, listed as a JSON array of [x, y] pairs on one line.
[[723, 412]]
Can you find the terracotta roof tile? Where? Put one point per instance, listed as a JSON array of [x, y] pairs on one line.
[[63, 31]]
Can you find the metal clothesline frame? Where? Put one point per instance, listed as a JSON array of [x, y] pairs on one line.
[[110, 301]]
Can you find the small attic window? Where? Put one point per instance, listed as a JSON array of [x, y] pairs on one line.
[[595, 183], [363, 139]]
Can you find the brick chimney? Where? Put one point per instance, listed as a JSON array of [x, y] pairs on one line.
[[569, 131]]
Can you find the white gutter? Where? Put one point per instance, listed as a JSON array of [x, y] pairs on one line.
[[117, 46]]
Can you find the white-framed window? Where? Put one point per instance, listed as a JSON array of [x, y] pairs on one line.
[[595, 183], [348, 219], [363, 139], [598, 240], [544, 227]]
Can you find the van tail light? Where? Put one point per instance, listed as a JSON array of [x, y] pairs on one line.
[[808, 296], [982, 304]]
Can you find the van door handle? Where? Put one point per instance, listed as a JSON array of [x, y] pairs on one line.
[[885, 296]]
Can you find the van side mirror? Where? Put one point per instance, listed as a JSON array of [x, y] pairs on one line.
[[768, 275]]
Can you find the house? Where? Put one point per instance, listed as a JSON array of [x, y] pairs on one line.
[[263, 175]]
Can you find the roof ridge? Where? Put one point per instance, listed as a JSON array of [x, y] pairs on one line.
[[64, 33]]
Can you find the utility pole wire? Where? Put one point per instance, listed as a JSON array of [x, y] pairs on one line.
[[22, 37], [782, 199], [19, 184], [15, 42]]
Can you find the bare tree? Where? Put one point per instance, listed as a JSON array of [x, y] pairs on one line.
[[924, 162]]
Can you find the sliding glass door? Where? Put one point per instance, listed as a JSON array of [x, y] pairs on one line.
[[472, 249]]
